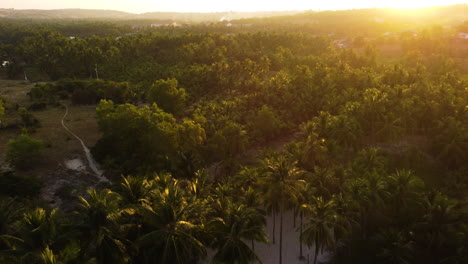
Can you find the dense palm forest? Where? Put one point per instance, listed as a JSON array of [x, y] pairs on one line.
[[373, 159]]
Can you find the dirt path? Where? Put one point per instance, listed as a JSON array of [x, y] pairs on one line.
[[91, 162]]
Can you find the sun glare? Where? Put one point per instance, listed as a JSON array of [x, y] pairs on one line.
[[407, 4], [142, 6], [264, 5]]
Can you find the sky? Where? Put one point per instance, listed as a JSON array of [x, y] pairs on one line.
[[142, 6]]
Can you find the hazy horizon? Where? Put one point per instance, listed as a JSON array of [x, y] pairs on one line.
[[208, 6]]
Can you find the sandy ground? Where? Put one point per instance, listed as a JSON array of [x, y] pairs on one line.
[[269, 253], [75, 164]]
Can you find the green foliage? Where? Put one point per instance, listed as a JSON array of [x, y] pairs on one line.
[[347, 172], [24, 152], [15, 70], [450, 142], [237, 224], [21, 185], [148, 137], [36, 231], [265, 124], [2, 109], [168, 96], [27, 119], [42, 91]]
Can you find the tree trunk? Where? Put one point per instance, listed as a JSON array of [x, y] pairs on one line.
[[295, 212], [274, 224], [316, 252], [281, 236], [253, 245], [301, 257]]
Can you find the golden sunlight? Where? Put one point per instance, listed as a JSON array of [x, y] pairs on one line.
[[142, 6]]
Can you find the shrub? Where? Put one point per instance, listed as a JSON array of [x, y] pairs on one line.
[[24, 152], [12, 184], [27, 118], [84, 97]]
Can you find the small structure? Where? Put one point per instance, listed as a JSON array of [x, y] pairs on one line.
[[379, 20], [340, 43], [462, 35]]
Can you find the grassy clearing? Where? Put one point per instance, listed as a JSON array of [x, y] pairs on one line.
[[60, 144]]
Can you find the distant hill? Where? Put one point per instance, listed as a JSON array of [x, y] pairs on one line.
[[63, 14], [111, 14]]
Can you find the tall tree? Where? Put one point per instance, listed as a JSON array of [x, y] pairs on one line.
[[280, 186], [172, 228], [323, 224], [236, 224], [98, 220]]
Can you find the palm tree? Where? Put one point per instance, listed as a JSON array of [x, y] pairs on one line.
[[393, 247], [280, 187], [98, 222], [366, 194], [307, 192], [69, 254], [451, 142], [404, 192], [10, 211], [442, 228], [36, 231], [323, 224], [136, 190], [236, 224], [172, 228]]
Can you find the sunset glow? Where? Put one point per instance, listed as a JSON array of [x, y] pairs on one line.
[[142, 6]]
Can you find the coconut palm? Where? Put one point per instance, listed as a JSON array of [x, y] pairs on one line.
[[404, 192], [236, 224], [10, 211], [172, 228], [442, 229], [69, 254], [307, 193], [366, 195], [36, 231], [451, 142], [323, 224], [98, 218], [136, 190], [280, 188], [393, 247]]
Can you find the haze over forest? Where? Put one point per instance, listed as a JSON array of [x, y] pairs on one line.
[[333, 137]]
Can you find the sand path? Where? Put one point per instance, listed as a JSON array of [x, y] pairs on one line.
[[91, 162]]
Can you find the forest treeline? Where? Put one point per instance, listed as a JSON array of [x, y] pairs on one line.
[[376, 172]]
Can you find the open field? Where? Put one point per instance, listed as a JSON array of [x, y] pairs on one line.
[[61, 145]]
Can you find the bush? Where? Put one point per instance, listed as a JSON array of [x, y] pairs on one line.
[[19, 185], [28, 120], [14, 70], [167, 96], [24, 152], [37, 106], [2, 109], [84, 97]]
